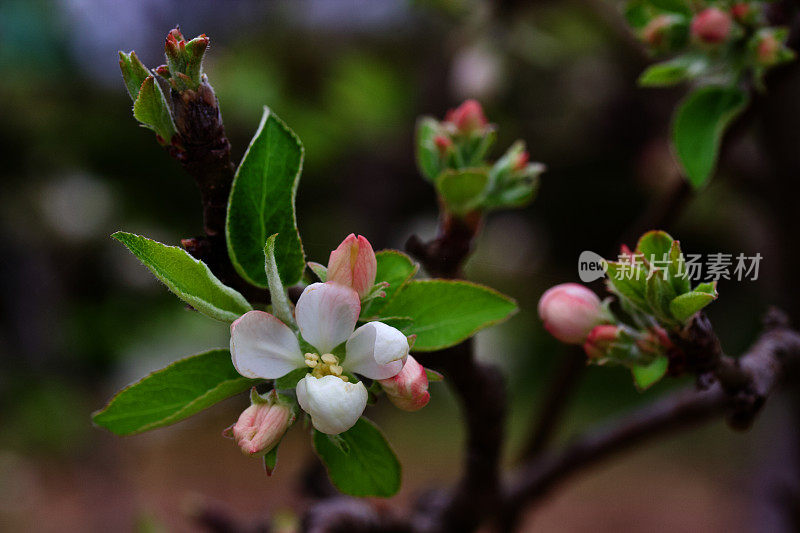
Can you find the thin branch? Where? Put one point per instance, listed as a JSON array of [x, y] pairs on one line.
[[771, 358]]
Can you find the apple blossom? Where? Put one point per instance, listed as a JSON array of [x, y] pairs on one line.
[[326, 313], [570, 311], [261, 426], [408, 390], [354, 265]]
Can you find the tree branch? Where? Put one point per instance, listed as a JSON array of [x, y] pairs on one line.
[[773, 357]]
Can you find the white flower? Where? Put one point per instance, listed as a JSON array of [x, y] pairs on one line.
[[264, 347]]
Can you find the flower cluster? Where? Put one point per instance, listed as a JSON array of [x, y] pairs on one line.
[[715, 39], [327, 352], [653, 306], [452, 153]]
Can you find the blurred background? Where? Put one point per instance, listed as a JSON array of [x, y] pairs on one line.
[[81, 317]]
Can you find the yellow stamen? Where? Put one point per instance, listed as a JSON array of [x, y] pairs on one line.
[[336, 370], [330, 359]]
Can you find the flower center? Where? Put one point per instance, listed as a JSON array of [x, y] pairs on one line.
[[327, 365]]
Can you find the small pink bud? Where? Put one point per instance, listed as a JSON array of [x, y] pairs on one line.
[[655, 32], [741, 11], [767, 49], [570, 311], [442, 143], [712, 25], [467, 117], [600, 340], [522, 160], [261, 426], [354, 265], [408, 390]]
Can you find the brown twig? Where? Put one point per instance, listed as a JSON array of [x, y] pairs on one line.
[[738, 390]]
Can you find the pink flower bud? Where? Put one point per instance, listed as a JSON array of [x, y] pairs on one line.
[[261, 426], [570, 311], [712, 25], [767, 49], [655, 32], [467, 117], [408, 390], [354, 265], [600, 340], [442, 143], [521, 161], [741, 11]]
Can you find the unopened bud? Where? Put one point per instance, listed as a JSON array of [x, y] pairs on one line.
[[521, 160], [600, 341], [443, 144], [261, 426], [656, 33], [570, 311], [767, 49], [467, 117], [655, 341], [408, 390], [353, 264], [711, 26]]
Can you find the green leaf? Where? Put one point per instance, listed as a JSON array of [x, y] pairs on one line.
[[133, 72], [644, 376], [672, 72], [173, 393], [678, 274], [709, 287], [433, 376], [189, 279], [151, 109], [262, 204], [446, 312], [659, 294], [428, 157], [281, 306], [395, 268], [289, 381], [699, 125], [320, 271], [654, 244], [627, 283], [462, 190], [686, 305], [271, 460], [359, 461]]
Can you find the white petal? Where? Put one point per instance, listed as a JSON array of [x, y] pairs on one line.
[[334, 405], [264, 347], [326, 314], [376, 351]]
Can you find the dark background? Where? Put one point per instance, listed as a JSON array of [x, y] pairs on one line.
[[82, 318]]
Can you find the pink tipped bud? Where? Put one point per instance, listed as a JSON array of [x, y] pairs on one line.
[[442, 143], [767, 49], [408, 390], [354, 265], [521, 161], [467, 117], [656, 31], [600, 341], [712, 25], [261, 426], [570, 311], [741, 12]]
